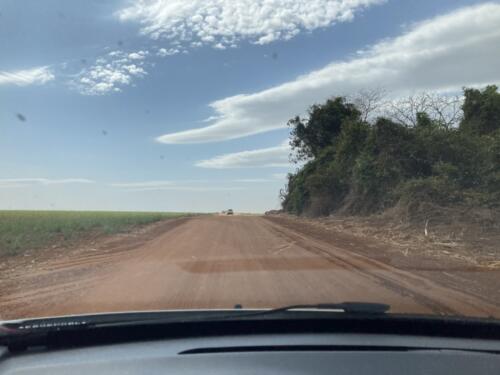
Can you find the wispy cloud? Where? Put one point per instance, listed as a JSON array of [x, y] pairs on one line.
[[142, 184], [443, 53], [35, 76], [189, 188], [23, 182], [179, 185], [267, 157], [225, 23], [280, 176], [252, 180], [111, 72]]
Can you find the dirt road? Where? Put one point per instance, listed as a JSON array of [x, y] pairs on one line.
[[217, 262]]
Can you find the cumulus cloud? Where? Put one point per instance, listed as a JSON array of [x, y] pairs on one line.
[[224, 23], [111, 72], [267, 157], [163, 52], [139, 55], [442, 54], [23, 182], [35, 76]]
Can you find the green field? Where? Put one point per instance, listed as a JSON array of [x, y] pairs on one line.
[[22, 231]]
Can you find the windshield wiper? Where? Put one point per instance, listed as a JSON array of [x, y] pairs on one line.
[[366, 308], [69, 323], [154, 317], [347, 307], [344, 307], [40, 328]]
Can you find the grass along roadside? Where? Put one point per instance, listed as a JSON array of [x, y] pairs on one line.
[[22, 231]]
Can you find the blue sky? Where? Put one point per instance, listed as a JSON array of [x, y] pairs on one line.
[[182, 105]]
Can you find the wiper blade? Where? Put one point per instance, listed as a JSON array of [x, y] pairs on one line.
[[344, 307], [39, 328], [366, 308], [84, 322], [347, 307]]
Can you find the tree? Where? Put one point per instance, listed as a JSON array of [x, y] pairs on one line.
[[309, 137], [481, 110]]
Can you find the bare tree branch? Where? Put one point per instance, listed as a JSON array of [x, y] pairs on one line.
[[369, 102], [444, 109]]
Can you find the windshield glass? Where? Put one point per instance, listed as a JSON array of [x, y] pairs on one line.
[[205, 154]]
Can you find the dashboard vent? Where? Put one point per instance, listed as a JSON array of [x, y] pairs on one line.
[[297, 348]]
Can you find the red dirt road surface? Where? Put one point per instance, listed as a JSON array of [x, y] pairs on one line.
[[217, 262]]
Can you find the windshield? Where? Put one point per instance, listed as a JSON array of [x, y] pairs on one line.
[[213, 154]]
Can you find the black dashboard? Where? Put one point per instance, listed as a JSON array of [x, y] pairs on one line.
[[267, 354]]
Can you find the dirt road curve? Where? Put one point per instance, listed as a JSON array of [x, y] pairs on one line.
[[217, 262]]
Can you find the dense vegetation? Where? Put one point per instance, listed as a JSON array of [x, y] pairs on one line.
[[413, 153], [29, 230]]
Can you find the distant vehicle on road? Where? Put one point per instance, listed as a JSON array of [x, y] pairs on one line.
[[230, 212]]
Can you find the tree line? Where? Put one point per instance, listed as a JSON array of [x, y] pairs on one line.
[[363, 155]]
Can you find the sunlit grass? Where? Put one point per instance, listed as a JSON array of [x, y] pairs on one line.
[[22, 231]]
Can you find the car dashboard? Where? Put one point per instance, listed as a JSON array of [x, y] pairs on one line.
[[267, 354]]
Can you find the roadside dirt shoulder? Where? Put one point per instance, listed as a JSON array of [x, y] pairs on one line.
[[459, 271], [51, 275]]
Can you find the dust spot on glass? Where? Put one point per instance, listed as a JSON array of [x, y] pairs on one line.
[[162, 157], [104, 132], [21, 117], [61, 15], [83, 61], [120, 43], [275, 56], [147, 111]]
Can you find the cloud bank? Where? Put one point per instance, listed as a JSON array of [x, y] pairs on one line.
[[224, 23], [444, 53], [35, 76]]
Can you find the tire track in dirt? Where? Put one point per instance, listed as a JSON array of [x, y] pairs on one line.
[[421, 288]]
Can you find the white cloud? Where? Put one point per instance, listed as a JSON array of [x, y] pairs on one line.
[[267, 157], [252, 180], [162, 52], [223, 23], [280, 176], [34, 76], [23, 182], [445, 53], [143, 184], [188, 188], [139, 55], [187, 185], [111, 73]]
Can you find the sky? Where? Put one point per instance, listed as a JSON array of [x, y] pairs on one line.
[[182, 105]]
